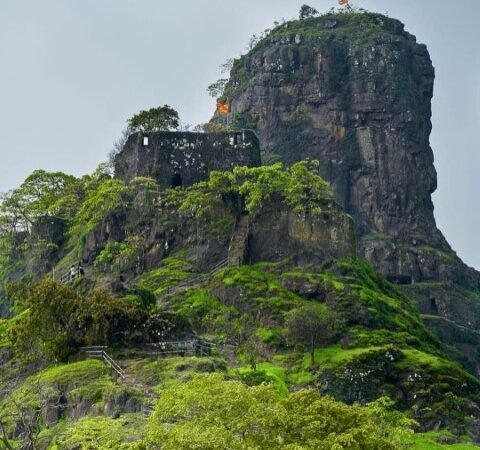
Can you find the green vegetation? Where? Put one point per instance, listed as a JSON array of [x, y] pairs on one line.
[[312, 328], [163, 118], [103, 433], [172, 271], [211, 413], [41, 194], [107, 198], [57, 320], [335, 325], [299, 187], [307, 12], [429, 441]]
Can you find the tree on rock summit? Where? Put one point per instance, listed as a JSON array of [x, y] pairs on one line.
[[163, 118]]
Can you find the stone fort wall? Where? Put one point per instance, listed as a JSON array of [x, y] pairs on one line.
[[184, 158]]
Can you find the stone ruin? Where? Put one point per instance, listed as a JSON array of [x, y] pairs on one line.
[[176, 159]]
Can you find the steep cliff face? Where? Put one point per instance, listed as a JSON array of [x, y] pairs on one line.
[[354, 91]]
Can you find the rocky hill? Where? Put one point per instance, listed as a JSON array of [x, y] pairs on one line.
[[224, 298], [354, 92]]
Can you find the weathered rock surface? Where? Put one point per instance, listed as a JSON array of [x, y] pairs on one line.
[[354, 91], [278, 234]]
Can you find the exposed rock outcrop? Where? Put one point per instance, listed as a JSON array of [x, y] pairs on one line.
[[354, 91]]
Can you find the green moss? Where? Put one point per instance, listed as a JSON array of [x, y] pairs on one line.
[[365, 337], [328, 278], [375, 237], [323, 280], [301, 378], [427, 441], [416, 358], [447, 257], [270, 336], [266, 372], [260, 290], [83, 379], [388, 309], [335, 356], [172, 272], [206, 313]]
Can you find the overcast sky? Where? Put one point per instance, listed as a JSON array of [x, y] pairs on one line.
[[73, 71]]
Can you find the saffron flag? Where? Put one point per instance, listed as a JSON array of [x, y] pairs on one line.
[[222, 107], [343, 2]]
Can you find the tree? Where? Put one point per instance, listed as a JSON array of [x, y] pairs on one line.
[[118, 145], [394, 424], [56, 320], [104, 197], [312, 328], [210, 413], [299, 187], [217, 89], [26, 411], [41, 194], [46, 325], [306, 12], [163, 118]]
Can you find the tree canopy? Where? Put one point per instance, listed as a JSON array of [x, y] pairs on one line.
[[162, 118], [312, 328], [300, 187], [41, 194], [307, 12], [56, 319], [210, 413]]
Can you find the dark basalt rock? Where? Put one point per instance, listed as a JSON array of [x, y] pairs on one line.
[[357, 97]]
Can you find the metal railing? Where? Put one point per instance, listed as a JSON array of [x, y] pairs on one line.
[[198, 347], [191, 347], [99, 352], [72, 274]]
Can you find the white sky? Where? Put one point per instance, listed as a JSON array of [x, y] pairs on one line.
[[73, 71]]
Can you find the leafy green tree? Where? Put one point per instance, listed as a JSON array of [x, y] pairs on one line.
[[312, 328], [56, 320], [394, 425], [41, 194], [105, 319], [300, 187], [217, 89], [307, 192], [210, 413], [46, 326], [306, 12], [104, 198], [163, 118]]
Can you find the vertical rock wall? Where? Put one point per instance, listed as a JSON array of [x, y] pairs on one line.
[[354, 91]]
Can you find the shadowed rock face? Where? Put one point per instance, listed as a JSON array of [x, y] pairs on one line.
[[356, 97], [354, 91]]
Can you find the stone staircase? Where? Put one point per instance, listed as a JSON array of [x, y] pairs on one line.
[[238, 250]]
